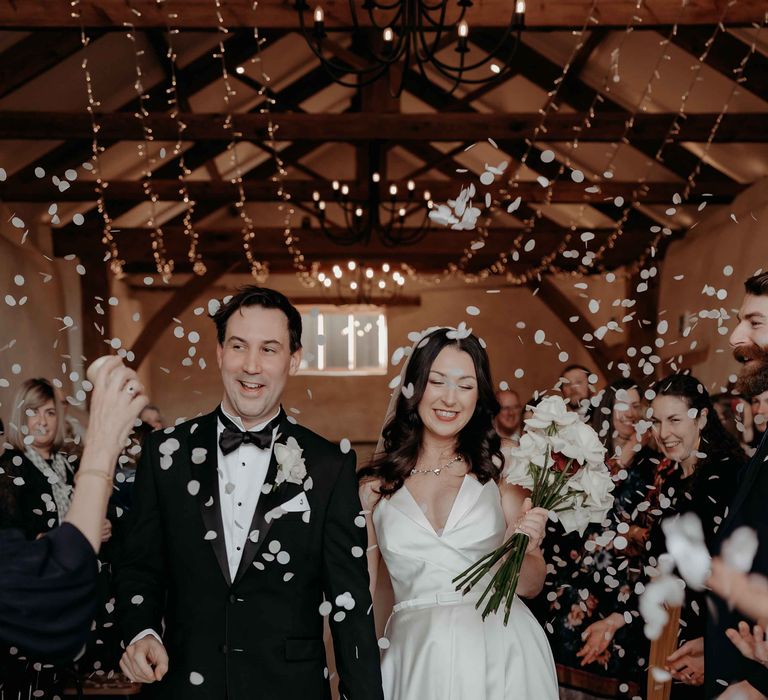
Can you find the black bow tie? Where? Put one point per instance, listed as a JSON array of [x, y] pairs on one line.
[[232, 437]]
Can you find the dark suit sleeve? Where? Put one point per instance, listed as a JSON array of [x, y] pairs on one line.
[[47, 592], [140, 567], [345, 570]]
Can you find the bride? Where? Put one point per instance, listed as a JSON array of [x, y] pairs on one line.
[[434, 505]]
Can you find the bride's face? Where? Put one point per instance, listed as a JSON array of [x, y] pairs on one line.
[[450, 395]]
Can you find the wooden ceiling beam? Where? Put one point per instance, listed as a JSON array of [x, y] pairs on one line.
[[33, 55], [202, 14], [259, 189], [356, 127], [725, 56]]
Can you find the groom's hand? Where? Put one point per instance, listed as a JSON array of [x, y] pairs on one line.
[[145, 661]]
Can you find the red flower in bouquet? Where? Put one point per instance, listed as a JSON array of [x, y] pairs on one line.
[[560, 460]]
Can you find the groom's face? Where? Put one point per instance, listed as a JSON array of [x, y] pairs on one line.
[[255, 361], [750, 345]]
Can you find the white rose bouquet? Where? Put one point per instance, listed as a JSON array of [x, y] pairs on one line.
[[561, 461]]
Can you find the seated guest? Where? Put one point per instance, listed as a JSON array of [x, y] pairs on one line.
[[591, 578], [576, 390], [759, 406], [47, 585], [509, 420], [151, 414]]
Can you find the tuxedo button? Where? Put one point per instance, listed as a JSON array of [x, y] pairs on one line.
[[224, 649], [232, 599]]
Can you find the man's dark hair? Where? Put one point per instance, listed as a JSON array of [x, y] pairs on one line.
[[251, 295], [757, 285], [570, 368]]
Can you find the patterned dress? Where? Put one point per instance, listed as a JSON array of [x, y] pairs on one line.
[[592, 576]]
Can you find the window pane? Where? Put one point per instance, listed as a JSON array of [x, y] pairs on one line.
[[367, 340], [309, 340], [336, 341]]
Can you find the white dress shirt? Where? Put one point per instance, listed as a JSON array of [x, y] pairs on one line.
[[241, 477]]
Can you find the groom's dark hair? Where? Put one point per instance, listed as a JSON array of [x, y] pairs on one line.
[[251, 295]]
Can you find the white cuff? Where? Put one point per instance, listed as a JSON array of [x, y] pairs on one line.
[[146, 633]]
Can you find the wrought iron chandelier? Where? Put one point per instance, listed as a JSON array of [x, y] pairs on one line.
[[382, 216], [356, 283], [403, 33]]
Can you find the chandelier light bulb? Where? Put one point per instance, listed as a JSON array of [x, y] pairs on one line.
[[335, 185], [351, 265], [495, 68], [320, 15], [326, 282], [464, 27], [389, 35], [393, 190], [427, 195], [401, 213], [337, 272], [240, 70], [376, 177], [359, 212], [369, 273], [315, 196], [321, 206], [520, 7], [401, 281], [322, 277], [382, 284], [345, 190], [353, 286], [385, 268], [411, 185]]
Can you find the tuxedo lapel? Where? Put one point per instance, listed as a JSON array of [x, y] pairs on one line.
[[260, 525], [751, 472], [203, 459]]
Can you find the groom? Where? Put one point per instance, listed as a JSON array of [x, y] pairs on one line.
[[246, 533]]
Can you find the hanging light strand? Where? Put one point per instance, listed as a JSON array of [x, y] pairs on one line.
[[174, 100], [108, 239], [163, 264], [259, 269]]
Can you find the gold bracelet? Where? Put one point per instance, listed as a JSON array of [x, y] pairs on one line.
[[93, 472]]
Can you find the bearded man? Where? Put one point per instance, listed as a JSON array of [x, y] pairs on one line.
[[724, 665]]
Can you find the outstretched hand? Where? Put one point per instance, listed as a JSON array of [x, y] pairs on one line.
[[687, 663], [751, 643]]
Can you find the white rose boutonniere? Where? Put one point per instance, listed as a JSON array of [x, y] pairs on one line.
[[290, 463]]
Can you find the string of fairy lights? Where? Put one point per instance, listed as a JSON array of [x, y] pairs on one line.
[[174, 102], [310, 272], [108, 238], [163, 263]]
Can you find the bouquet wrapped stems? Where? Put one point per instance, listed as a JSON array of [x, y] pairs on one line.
[[548, 492]]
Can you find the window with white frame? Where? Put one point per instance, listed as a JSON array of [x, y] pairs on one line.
[[344, 340]]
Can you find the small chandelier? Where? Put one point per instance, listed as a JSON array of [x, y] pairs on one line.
[[364, 284], [408, 32], [361, 223]]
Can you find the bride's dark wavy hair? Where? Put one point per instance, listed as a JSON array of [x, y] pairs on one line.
[[477, 442]]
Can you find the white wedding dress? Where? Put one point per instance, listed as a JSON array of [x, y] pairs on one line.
[[439, 646]]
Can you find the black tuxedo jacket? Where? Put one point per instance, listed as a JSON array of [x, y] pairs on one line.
[[724, 664], [259, 637]]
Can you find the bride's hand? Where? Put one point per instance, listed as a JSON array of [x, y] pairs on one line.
[[532, 522]]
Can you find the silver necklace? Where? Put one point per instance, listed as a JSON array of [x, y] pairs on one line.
[[436, 470]]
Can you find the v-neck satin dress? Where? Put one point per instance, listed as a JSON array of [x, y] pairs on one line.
[[440, 648]]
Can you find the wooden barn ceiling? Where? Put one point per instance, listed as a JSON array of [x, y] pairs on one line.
[[326, 132]]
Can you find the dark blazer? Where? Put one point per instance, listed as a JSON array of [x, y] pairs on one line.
[[31, 505], [723, 661], [47, 592], [261, 635]]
